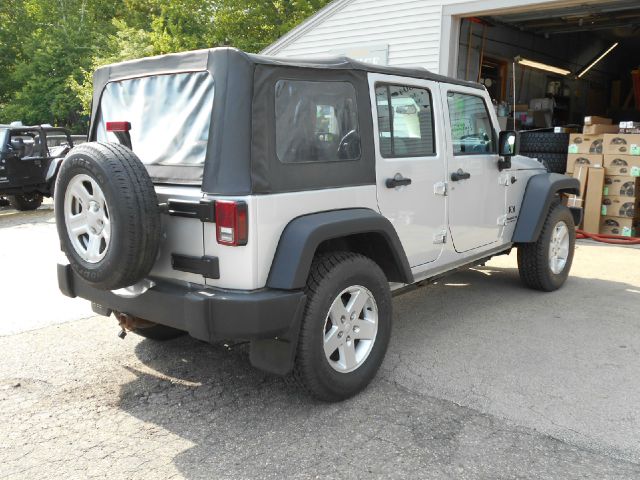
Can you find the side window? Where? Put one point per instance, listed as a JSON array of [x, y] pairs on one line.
[[405, 121], [316, 122], [471, 128]]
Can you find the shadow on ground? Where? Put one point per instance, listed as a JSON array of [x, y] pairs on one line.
[[246, 424], [13, 218]]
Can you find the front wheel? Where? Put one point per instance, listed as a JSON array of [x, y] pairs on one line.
[[346, 326], [26, 201], [545, 264]]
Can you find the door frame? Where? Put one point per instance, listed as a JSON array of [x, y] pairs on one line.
[[452, 16]]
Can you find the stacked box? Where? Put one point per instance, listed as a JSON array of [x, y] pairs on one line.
[[585, 144], [608, 167], [621, 190], [598, 125]]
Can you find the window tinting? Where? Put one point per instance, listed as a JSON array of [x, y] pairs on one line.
[[471, 128], [405, 121], [316, 122]]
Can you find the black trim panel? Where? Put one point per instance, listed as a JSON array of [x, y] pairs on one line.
[[209, 314], [208, 267], [538, 196], [204, 210], [302, 236]]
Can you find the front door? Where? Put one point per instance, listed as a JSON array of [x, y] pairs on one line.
[[410, 171], [476, 199]]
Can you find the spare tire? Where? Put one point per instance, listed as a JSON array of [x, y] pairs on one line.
[[107, 215], [544, 142], [554, 162]]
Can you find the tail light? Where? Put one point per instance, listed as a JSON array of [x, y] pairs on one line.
[[118, 126], [232, 223]]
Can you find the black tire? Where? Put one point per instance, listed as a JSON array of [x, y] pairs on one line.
[[553, 162], [133, 214], [330, 274], [26, 201], [159, 333], [533, 258], [544, 142]]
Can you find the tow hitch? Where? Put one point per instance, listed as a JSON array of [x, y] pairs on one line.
[[129, 323]]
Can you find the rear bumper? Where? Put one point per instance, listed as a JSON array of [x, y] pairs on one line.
[[208, 314]]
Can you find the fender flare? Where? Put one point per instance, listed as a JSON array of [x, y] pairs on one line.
[[302, 236], [538, 197]]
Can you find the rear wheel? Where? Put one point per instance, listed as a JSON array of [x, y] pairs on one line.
[[26, 201], [346, 326], [545, 264]]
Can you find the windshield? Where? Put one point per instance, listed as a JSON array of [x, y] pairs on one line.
[[169, 115]]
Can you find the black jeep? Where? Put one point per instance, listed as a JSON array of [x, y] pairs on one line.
[[30, 158]]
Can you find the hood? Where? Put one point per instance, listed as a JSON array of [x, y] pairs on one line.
[[520, 162]]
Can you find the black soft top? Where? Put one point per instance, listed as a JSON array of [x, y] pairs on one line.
[[240, 158]]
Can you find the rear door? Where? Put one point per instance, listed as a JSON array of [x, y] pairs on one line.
[[476, 199], [169, 118], [410, 170]]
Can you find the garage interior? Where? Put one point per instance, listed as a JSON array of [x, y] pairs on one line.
[[588, 54]]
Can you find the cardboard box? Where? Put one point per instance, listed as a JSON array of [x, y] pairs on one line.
[[625, 227], [574, 160], [581, 143], [599, 129], [621, 144], [595, 120], [593, 200], [581, 173], [618, 186], [625, 165], [620, 206]]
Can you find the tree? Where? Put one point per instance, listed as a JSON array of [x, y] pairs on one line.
[[49, 48]]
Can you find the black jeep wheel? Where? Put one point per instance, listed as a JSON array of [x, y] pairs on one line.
[[545, 264], [553, 162], [26, 201], [544, 142], [346, 326], [107, 215]]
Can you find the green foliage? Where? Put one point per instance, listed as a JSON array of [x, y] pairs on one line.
[[50, 48]]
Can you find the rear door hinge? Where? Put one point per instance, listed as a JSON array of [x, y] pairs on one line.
[[204, 210], [440, 188], [440, 237]]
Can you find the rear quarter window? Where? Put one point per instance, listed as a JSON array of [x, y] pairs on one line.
[[316, 122]]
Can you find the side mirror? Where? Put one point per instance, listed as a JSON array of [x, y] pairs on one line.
[[507, 148]]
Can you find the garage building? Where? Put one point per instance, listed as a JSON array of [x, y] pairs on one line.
[[567, 59]]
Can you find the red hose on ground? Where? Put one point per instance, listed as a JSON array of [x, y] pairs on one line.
[[612, 239]]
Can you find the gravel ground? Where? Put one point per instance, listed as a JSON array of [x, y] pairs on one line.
[[483, 379]]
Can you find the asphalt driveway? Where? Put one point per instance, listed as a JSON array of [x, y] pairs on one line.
[[483, 379]]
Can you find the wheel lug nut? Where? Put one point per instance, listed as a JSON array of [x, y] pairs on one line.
[[342, 319], [348, 339], [356, 329], [340, 334], [353, 316]]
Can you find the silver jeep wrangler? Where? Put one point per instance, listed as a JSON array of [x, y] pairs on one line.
[[236, 196]]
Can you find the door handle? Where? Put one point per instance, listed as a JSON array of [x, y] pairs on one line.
[[460, 175], [397, 181]]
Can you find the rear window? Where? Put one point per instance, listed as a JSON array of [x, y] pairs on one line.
[[316, 122], [170, 116]]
